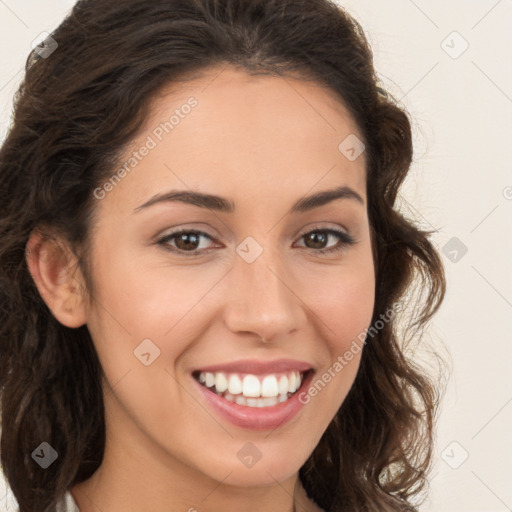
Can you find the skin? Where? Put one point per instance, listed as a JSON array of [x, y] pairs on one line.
[[264, 143]]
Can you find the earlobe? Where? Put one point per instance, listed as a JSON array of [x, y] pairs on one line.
[[56, 275]]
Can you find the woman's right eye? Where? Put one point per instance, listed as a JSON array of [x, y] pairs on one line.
[[185, 241]]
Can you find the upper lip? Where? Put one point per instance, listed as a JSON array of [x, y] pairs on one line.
[[258, 367]]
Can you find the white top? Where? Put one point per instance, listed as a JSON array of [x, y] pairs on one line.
[[67, 504]]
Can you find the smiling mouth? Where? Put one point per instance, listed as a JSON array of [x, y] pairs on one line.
[[253, 390]]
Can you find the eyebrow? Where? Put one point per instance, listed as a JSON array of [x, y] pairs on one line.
[[224, 205]]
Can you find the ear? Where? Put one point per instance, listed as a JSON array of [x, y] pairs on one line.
[[55, 271]]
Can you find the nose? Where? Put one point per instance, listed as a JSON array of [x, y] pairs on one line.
[[261, 298]]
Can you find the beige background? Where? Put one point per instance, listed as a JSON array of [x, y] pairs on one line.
[[460, 185]]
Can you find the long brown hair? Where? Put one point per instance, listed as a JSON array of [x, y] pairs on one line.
[[78, 106]]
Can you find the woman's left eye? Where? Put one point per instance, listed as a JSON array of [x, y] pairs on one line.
[[187, 242], [344, 238]]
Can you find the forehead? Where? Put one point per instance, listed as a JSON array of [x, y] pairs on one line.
[[224, 131], [263, 105]]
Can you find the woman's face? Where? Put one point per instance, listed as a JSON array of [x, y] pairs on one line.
[[168, 307]]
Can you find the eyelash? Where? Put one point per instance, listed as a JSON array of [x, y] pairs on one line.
[[346, 240]]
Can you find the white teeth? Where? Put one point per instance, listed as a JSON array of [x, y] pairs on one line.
[[270, 401], [209, 379], [235, 385], [269, 386], [252, 390], [283, 385], [221, 383], [254, 402], [239, 399], [251, 386], [292, 383]]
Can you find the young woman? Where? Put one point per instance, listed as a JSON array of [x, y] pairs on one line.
[[202, 267]]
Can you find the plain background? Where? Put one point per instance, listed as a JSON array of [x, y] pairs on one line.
[[460, 185]]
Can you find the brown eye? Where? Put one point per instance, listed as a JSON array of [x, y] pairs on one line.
[[185, 241], [318, 238]]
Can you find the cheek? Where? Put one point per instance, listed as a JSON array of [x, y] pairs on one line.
[[137, 301], [348, 311], [144, 295], [344, 304], [344, 310]]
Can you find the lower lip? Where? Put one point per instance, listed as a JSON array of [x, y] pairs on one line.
[[256, 418]]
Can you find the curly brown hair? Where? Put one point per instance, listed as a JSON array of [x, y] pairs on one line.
[[75, 112]]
